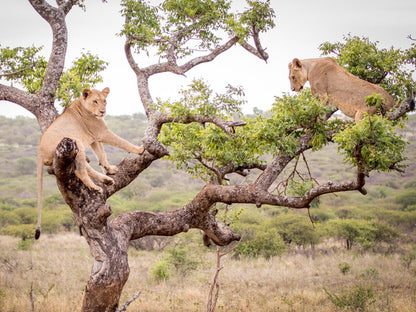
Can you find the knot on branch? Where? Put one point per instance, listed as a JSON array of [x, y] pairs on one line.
[[99, 218], [154, 147], [219, 233]]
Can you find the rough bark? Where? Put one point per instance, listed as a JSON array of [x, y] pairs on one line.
[[41, 104], [109, 240]]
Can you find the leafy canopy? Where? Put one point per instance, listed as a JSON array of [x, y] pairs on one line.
[[391, 68], [26, 67], [187, 26], [202, 148]]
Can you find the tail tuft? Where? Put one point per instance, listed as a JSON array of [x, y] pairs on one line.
[[37, 233]]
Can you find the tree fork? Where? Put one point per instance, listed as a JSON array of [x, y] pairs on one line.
[[109, 240]]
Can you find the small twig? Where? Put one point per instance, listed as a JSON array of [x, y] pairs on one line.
[[17, 71], [215, 285], [124, 307], [32, 299]]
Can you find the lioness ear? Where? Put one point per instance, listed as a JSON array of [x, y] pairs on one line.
[[85, 93], [296, 63], [106, 91]]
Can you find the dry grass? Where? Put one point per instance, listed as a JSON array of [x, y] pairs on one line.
[[294, 282]]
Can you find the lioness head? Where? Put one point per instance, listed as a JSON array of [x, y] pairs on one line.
[[297, 75], [95, 101]]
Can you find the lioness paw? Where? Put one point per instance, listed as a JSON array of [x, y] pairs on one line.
[[139, 150], [111, 169], [96, 189], [108, 181]]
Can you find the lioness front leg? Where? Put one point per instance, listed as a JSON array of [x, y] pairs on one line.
[[114, 140], [98, 149]]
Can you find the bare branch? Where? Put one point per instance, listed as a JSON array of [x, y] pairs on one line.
[[124, 306], [253, 50], [259, 47]]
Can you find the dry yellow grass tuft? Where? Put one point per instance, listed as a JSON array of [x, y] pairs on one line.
[[58, 268]]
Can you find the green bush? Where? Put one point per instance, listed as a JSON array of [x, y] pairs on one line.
[[179, 259], [406, 198], [355, 299], [8, 218], [26, 166], [344, 267], [24, 231], [408, 257], [261, 242], [296, 229], [160, 270], [363, 232], [27, 215]]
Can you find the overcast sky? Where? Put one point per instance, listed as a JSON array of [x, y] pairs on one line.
[[301, 25]]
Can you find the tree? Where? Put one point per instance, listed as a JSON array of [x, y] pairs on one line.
[[198, 132], [363, 232]]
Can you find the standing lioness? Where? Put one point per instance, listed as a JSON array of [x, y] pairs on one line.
[[329, 80], [83, 122]]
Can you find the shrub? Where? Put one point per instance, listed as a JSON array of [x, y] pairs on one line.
[[355, 299], [24, 231], [178, 258], [160, 270], [363, 232], [408, 257], [26, 166], [261, 242], [344, 267], [406, 198], [296, 229]]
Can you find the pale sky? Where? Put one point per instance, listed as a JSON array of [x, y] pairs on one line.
[[301, 25]]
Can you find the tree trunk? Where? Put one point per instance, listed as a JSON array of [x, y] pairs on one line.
[[109, 240]]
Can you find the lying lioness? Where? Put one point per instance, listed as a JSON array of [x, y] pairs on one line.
[[330, 81], [83, 122]]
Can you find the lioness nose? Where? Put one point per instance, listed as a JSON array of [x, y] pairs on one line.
[[102, 112]]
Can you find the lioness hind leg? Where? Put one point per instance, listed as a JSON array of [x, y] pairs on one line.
[[81, 170], [99, 176], [358, 116]]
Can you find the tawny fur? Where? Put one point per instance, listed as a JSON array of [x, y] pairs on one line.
[[83, 122], [331, 82]]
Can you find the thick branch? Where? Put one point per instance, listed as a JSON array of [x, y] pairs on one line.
[[56, 19], [406, 106], [182, 69], [19, 97]]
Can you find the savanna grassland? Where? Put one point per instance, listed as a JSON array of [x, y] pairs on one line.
[[359, 256], [57, 269]]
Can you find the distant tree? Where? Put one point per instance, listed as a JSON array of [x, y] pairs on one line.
[[365, 233], [297, 231], [25, 166], [198, 132]]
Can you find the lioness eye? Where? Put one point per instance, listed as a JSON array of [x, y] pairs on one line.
[[95, 102]]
